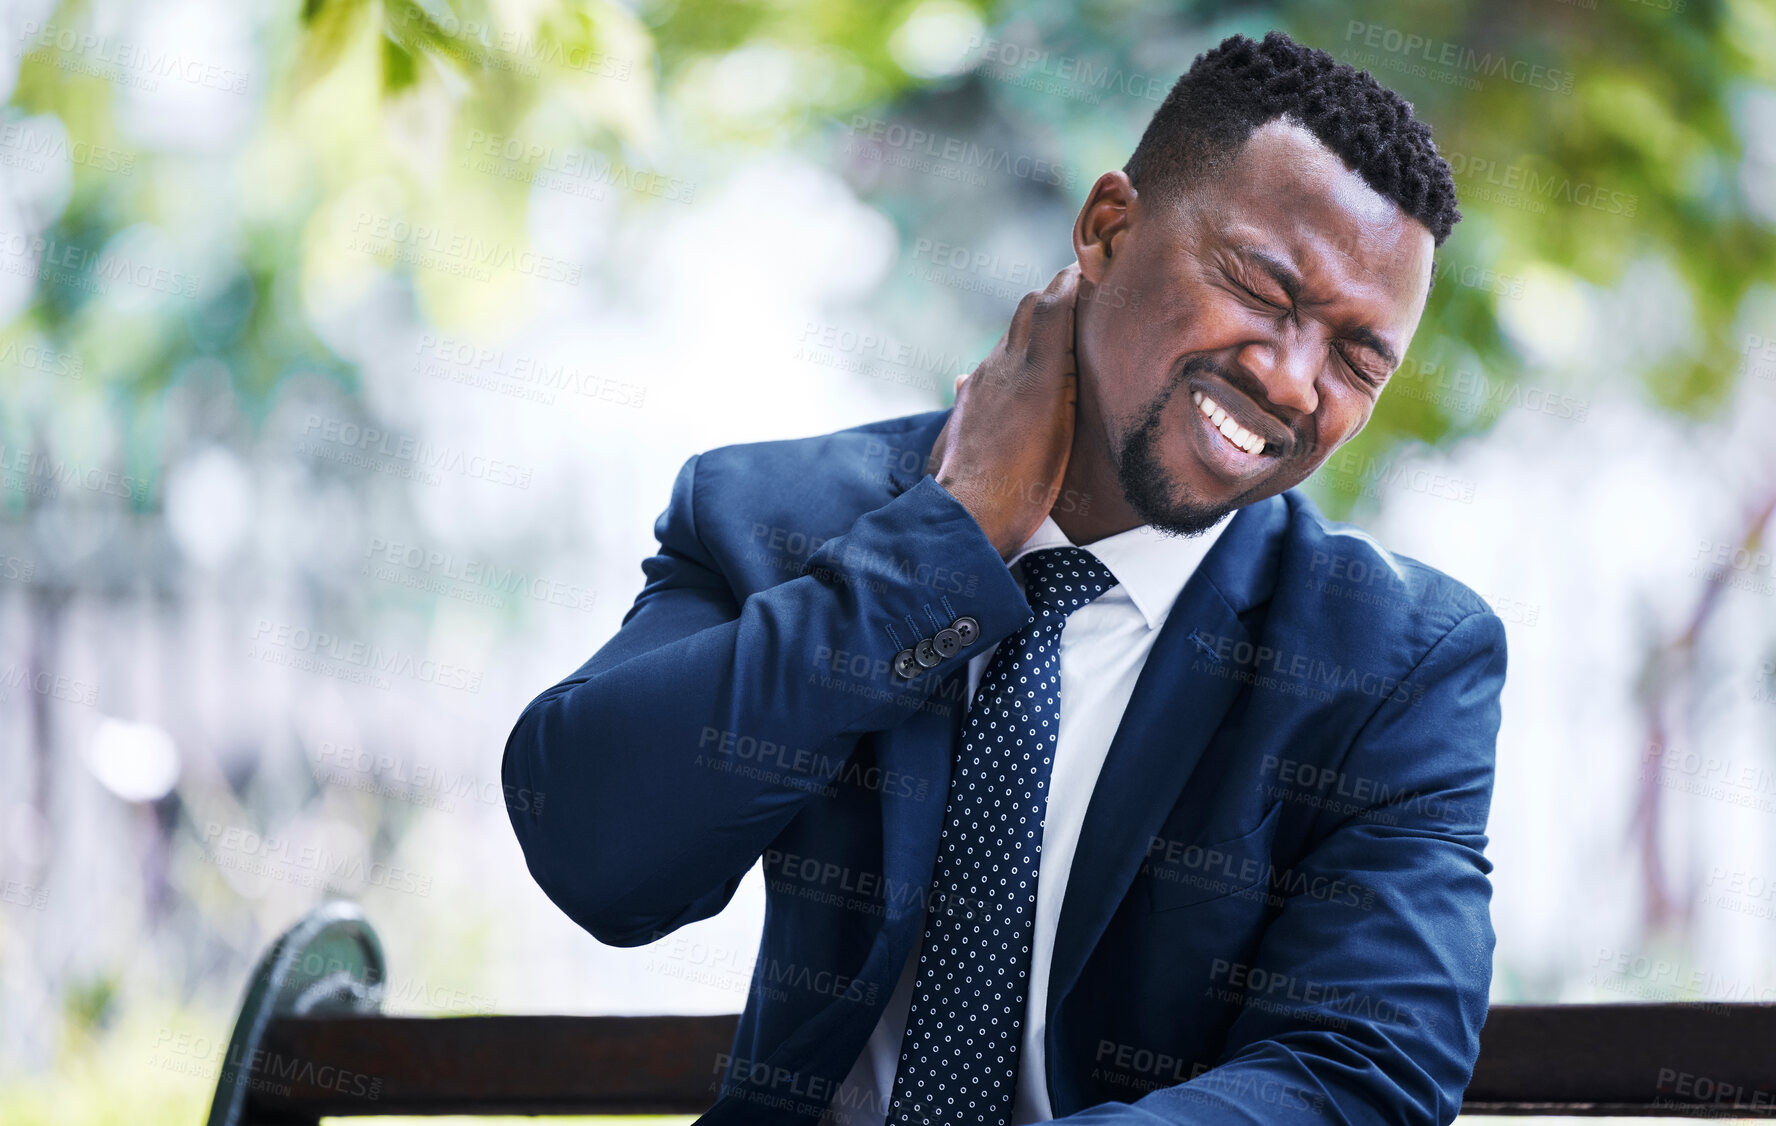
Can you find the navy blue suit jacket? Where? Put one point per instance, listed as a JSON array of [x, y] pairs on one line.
[[1278, 910]]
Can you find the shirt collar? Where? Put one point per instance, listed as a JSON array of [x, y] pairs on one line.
[[1150, 565]]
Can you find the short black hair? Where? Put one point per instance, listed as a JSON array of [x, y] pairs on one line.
[[1241, 84]]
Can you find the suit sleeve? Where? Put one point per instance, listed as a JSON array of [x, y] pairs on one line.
[[1370, 1012], [639, 816]]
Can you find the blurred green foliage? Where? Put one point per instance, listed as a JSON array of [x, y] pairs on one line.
[[1645, 113]]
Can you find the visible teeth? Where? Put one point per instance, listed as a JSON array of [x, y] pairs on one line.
[[1231, 430], [1236, 433]]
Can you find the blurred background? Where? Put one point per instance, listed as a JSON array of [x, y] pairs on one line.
[[348, 351]]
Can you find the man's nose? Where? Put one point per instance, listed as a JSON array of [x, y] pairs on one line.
[[1288, 371]]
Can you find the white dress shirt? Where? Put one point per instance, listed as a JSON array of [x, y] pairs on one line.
[[1103, 647]]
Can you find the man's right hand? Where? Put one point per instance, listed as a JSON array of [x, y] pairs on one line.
[[1003, 451]]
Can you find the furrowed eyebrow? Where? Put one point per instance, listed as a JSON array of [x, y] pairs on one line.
[[1370, 340], [1279, 271], [1290, 282]]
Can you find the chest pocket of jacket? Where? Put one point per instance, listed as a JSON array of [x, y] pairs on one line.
[[1196, 873]]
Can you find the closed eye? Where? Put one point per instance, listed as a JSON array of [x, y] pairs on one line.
[[1361, 371], [1269, 303]]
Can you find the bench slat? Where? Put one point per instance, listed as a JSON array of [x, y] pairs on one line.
[[1629, 1059], [491, 1065], [1681, 1060]]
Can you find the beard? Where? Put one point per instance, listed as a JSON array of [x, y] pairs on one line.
[[1150, 489]]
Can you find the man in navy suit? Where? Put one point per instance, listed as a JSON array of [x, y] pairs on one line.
[[1256, 890]]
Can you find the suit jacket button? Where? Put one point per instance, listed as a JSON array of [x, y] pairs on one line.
[[926, 654], [905, 665], [967, 627], [948, 642]]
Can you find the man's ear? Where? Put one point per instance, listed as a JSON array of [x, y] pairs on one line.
[[1098, 232]]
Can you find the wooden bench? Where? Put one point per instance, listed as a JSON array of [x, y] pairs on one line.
[[310, 1042]]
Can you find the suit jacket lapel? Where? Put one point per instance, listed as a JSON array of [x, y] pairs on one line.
[[1185, 687]]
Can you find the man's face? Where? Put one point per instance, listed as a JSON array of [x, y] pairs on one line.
[[1285, 292]]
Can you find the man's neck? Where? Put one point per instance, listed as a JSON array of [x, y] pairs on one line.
[[1081, 529], [1091, 505]]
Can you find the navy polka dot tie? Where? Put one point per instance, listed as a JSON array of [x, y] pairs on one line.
[[959, 1056]]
